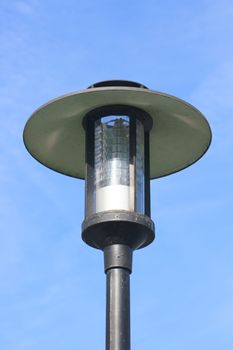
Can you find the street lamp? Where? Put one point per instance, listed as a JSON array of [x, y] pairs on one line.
[[117, 135]]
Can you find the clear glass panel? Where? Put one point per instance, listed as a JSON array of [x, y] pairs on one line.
[[140, 170], [119, 173], [112, 164]]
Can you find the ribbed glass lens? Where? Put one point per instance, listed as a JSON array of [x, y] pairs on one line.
[[140, 168], [112, 164], [115, 166]]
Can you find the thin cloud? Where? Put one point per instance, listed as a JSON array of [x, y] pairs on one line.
[[24, 7]]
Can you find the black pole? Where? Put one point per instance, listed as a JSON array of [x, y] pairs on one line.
[[118, 266]]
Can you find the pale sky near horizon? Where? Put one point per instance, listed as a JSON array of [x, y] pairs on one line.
[[52, 285]]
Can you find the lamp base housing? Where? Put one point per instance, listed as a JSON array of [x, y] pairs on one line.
[[118, 227]]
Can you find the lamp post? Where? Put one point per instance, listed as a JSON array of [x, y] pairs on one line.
[[117, 135]]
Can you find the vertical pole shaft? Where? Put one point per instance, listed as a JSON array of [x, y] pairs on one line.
[[118, 262], [118, 310]]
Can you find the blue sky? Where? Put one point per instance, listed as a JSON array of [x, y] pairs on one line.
[[52, 286]]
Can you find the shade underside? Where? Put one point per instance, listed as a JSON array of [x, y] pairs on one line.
[[55, 136]]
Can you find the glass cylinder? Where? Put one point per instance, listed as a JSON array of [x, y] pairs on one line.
[[116, 177], [113, 188]]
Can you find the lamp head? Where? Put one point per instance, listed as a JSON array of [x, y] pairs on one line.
[[117, 135]]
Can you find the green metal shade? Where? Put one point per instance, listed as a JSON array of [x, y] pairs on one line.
[[55, 136]]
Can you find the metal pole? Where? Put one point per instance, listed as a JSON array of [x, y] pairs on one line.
[[118, 265]]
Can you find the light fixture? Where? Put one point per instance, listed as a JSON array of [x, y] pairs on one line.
[[117, 135]]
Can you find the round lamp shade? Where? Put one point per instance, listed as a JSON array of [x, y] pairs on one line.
[[55, 135]]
